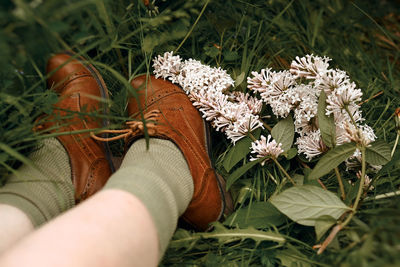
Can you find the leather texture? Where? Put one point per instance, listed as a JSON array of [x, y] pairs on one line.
[[79, 88], [181, 123]]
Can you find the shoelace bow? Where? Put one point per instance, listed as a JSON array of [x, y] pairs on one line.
[[133, 128]]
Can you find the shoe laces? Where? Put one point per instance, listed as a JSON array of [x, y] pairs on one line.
[[132, 128]]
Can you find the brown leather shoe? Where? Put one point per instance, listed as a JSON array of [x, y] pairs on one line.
[[171, 115], [80, 87]]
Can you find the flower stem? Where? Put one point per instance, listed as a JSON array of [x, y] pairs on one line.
[[343, 224], [395, 145], [339, 178], [350, 115], [362, 181], [267, 126], [283, 170], [251, 136]]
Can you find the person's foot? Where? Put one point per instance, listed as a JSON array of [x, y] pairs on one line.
[[170, 115], [80, 87]]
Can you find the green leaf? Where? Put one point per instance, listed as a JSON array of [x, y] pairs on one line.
[[323, 224], [392, 164], [305, 204], [378, 153], [224, 235], [239, 151], [332, 159], [283, 132], [236, 153], [240, 171], [291, 153], [326, 123], [239, 79], [258, 215]]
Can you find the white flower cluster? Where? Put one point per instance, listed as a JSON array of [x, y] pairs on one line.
[[265, 148], [295, 91], [298, 90], [236, 114]]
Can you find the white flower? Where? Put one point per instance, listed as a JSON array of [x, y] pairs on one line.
[[209, 103], [311, 144], [341, 134], [194, 76], [362, 134], [309, 67], [242, 126], [167, 66], [306, 101], [229, 115], [367, 180], [342, 97], [331, 80], [253, 104], [282, 106], [276, 89], [265, 148], [280, 82], [260, 81]]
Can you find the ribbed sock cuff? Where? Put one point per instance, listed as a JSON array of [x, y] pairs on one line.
[[161, 179], [42, 189]]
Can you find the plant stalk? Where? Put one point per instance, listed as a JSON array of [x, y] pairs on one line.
[[350, 115], [343, 224], [251, 136], [283, 170], [267, 127], [339, 178], [395, 145]]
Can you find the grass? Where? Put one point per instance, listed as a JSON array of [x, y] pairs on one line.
[[120, 38]]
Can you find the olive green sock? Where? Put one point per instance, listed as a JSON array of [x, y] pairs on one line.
[[161, 179], [42, 189]]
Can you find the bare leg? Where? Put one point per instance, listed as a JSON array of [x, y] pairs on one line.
[[112, 228], [14, 225]]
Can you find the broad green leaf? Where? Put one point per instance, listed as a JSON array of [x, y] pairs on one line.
[[378, 153], [239, 151], [392, 163], [224, 235], [323, 224], [258, 215], [283, 132], [240, 171], [332, 159], [305, 204], [291, 153], [326, 123]]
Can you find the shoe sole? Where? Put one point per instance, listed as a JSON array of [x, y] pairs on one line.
[[104, 94]]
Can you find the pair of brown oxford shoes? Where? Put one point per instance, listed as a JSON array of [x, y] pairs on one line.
[[161, 108]]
